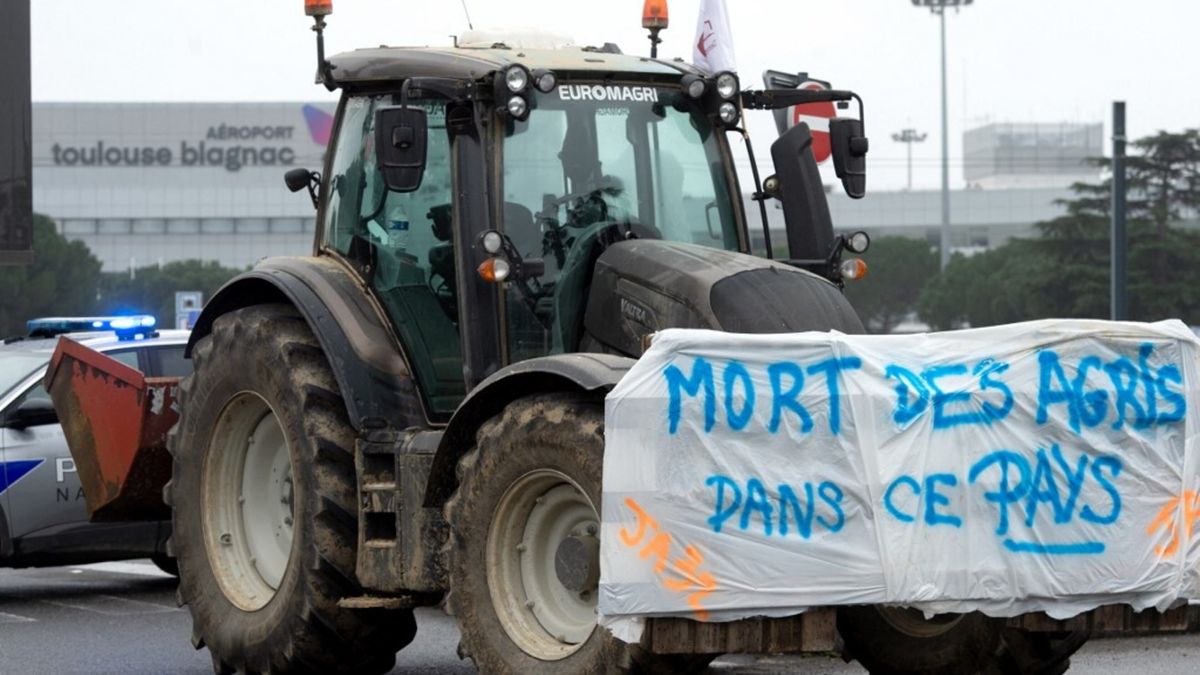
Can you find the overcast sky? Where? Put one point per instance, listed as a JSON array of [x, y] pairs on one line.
[[1010, 60]]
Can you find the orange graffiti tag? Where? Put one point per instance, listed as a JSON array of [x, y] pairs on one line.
[[1167, 519], [696, 583]]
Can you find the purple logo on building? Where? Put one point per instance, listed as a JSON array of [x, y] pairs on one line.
[[320, 124]]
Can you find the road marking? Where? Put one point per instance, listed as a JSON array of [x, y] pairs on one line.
[[111, 605], [141, 569], [15, 618]]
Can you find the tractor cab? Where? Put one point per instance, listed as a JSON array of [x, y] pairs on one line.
[[475, 187], [415, 414]]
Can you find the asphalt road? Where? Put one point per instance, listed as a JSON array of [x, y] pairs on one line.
[[121, 618]]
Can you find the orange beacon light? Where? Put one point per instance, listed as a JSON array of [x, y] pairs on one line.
[[318, 7]]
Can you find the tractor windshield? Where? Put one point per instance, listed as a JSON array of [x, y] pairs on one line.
[[593, 163], [643, 158]]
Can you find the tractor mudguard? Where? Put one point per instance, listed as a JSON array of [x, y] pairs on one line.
[[562, 372], [367, 361]]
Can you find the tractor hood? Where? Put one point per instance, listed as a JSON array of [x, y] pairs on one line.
[[644, 285]]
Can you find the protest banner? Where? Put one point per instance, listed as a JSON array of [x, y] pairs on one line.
[[1045, 466]]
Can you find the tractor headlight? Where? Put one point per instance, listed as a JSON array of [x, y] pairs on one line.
[[727, 85], [728, 112], [492, 242], [516, 78], [545, 80], [858, 242], [694, 86], [517, 107]]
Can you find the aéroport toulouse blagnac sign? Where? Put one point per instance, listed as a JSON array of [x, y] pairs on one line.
[[1046, 466], [231, 147]]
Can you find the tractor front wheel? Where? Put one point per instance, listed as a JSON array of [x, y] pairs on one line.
[[524, 547], [265, 507]]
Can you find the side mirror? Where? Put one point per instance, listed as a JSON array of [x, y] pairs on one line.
[[797, 184], [32, 413], [849, 147], [400, 144], [298, 179]]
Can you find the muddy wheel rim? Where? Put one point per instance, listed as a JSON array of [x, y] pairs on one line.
[[248, 502], [537, 514]]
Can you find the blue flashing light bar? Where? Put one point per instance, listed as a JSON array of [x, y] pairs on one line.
[[131, 327]]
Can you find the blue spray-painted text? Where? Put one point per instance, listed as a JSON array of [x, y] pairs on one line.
[[785, 511], [1047, 488]]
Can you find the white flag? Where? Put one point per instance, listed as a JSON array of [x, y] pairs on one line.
[[713, 50]]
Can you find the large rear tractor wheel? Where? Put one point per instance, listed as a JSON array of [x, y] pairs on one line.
[[896, 641], [265, 506], [524, 547]]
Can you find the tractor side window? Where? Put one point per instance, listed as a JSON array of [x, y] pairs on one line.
[[407, 241], [529, 316], [348, 176]]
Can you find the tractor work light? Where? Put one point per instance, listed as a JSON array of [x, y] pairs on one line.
[[494, 270], [854, 269], [318, 7], [771, 186], [727, 85], [545, 80], [654, 15], [492, 242], [858, 242], [693, 85], [517, 107], [728, 112], [516, 78]]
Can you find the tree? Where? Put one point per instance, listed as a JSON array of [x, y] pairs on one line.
[[151, 290], [1162, 259], [898, 268], [61, 280], [1064, 272], [992, 287]]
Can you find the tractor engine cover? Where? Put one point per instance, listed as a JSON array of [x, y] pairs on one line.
[[642, 286]]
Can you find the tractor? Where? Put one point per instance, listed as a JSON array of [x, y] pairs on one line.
[[413, 415]]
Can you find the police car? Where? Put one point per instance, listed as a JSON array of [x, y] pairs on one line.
[[43, 514]]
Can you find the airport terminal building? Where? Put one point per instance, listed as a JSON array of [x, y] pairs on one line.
[[144, 183], [148, 183]]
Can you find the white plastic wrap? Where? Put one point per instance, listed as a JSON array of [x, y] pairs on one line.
[[1045, 466]]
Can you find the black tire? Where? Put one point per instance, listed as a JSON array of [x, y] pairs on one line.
[[556, 432], [1044, 653], [270, 351], [968, 645], [166, 563]]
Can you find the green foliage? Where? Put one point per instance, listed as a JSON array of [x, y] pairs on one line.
[[985, 289], [61, 281], [151, 290], [1065, 272], [898, 268]]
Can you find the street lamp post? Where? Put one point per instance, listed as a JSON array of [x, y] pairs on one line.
[[908, 137], [938, 7]]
